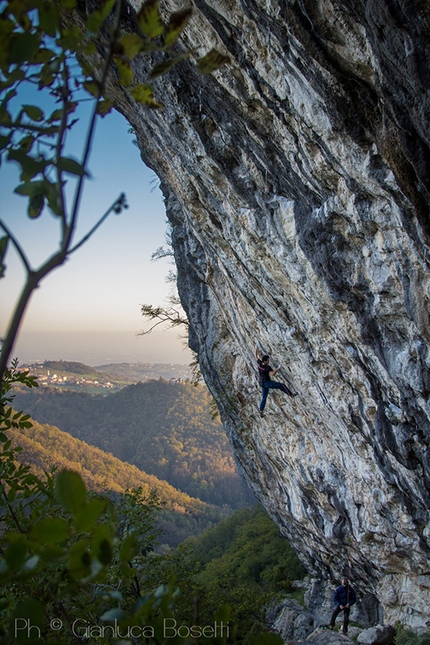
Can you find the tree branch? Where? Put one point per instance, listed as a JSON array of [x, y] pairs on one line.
[[118, 204], [91, 128], [17, 246], [171, 316]]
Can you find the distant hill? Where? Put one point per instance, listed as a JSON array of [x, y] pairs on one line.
[[69, 366], [78, 377], [135, 372], [164, 428], [45, 446]]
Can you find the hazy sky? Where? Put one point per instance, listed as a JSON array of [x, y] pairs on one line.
[[89, 309]]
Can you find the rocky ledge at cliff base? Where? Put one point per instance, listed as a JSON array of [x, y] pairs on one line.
[[298, 624], [297, 182]]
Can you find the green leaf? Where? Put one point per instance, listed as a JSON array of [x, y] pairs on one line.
[[70, 490], [16, 552], [164, 66], [44, 55], [71, 38], [212, 61], [101, 544], [68, 4], [50, 531], [177, 23], [26, 143], [94, 22], [29, 166], [49, 18], [55, 116], [96, 19], [11, 496], [34, 112], [104, 107], [4, 141], [70, 165], [31, 188], [87, 516], [144, 94], [129, 548], [23, 47], [131, 44], [79, 560], [38, 191], [108, 6], [5, 117], [149, 19], [54, 199], [93, 88], [35, 206], [125, 71]]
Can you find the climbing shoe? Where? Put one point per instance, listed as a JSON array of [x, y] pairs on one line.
[[262, 414]]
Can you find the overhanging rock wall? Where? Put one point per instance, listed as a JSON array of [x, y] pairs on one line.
[[297, 182]]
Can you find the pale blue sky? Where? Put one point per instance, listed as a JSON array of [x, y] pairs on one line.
[[89, 309]]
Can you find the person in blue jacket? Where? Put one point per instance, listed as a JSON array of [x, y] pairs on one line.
[[265, 373], [344, 597]]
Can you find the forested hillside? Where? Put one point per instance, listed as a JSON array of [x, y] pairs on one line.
[[163, 428], [45, 446], [243, 561]]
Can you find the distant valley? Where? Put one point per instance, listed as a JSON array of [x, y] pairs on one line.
[[45, 446], [163, 427]]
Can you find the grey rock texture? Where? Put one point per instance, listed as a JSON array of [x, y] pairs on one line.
[[297, 183], [378, 635], [290, 620], [327, 637]]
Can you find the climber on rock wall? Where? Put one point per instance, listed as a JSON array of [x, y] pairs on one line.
[[265, 373]]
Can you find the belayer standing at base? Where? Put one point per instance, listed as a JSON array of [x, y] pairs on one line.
[[265, 373], [344, 597]]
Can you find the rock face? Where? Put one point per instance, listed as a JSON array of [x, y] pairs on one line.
[[297, 183]]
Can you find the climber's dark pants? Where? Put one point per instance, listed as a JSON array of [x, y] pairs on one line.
[[272, 385], [336, 612]]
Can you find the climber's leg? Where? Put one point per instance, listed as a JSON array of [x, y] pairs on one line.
[[274, 385], [265, 393]]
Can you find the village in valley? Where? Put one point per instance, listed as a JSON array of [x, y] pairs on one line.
[[71, 375]]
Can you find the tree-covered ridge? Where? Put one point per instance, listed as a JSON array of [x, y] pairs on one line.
[[243, 561], [161, 427], [46, 446]]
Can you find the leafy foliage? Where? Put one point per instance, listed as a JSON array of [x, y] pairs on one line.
[[163, 428], [243, 562], [40, 43], [406, 636], [61, 551]]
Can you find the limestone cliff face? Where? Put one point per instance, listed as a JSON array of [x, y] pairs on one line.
[[297, 181]]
